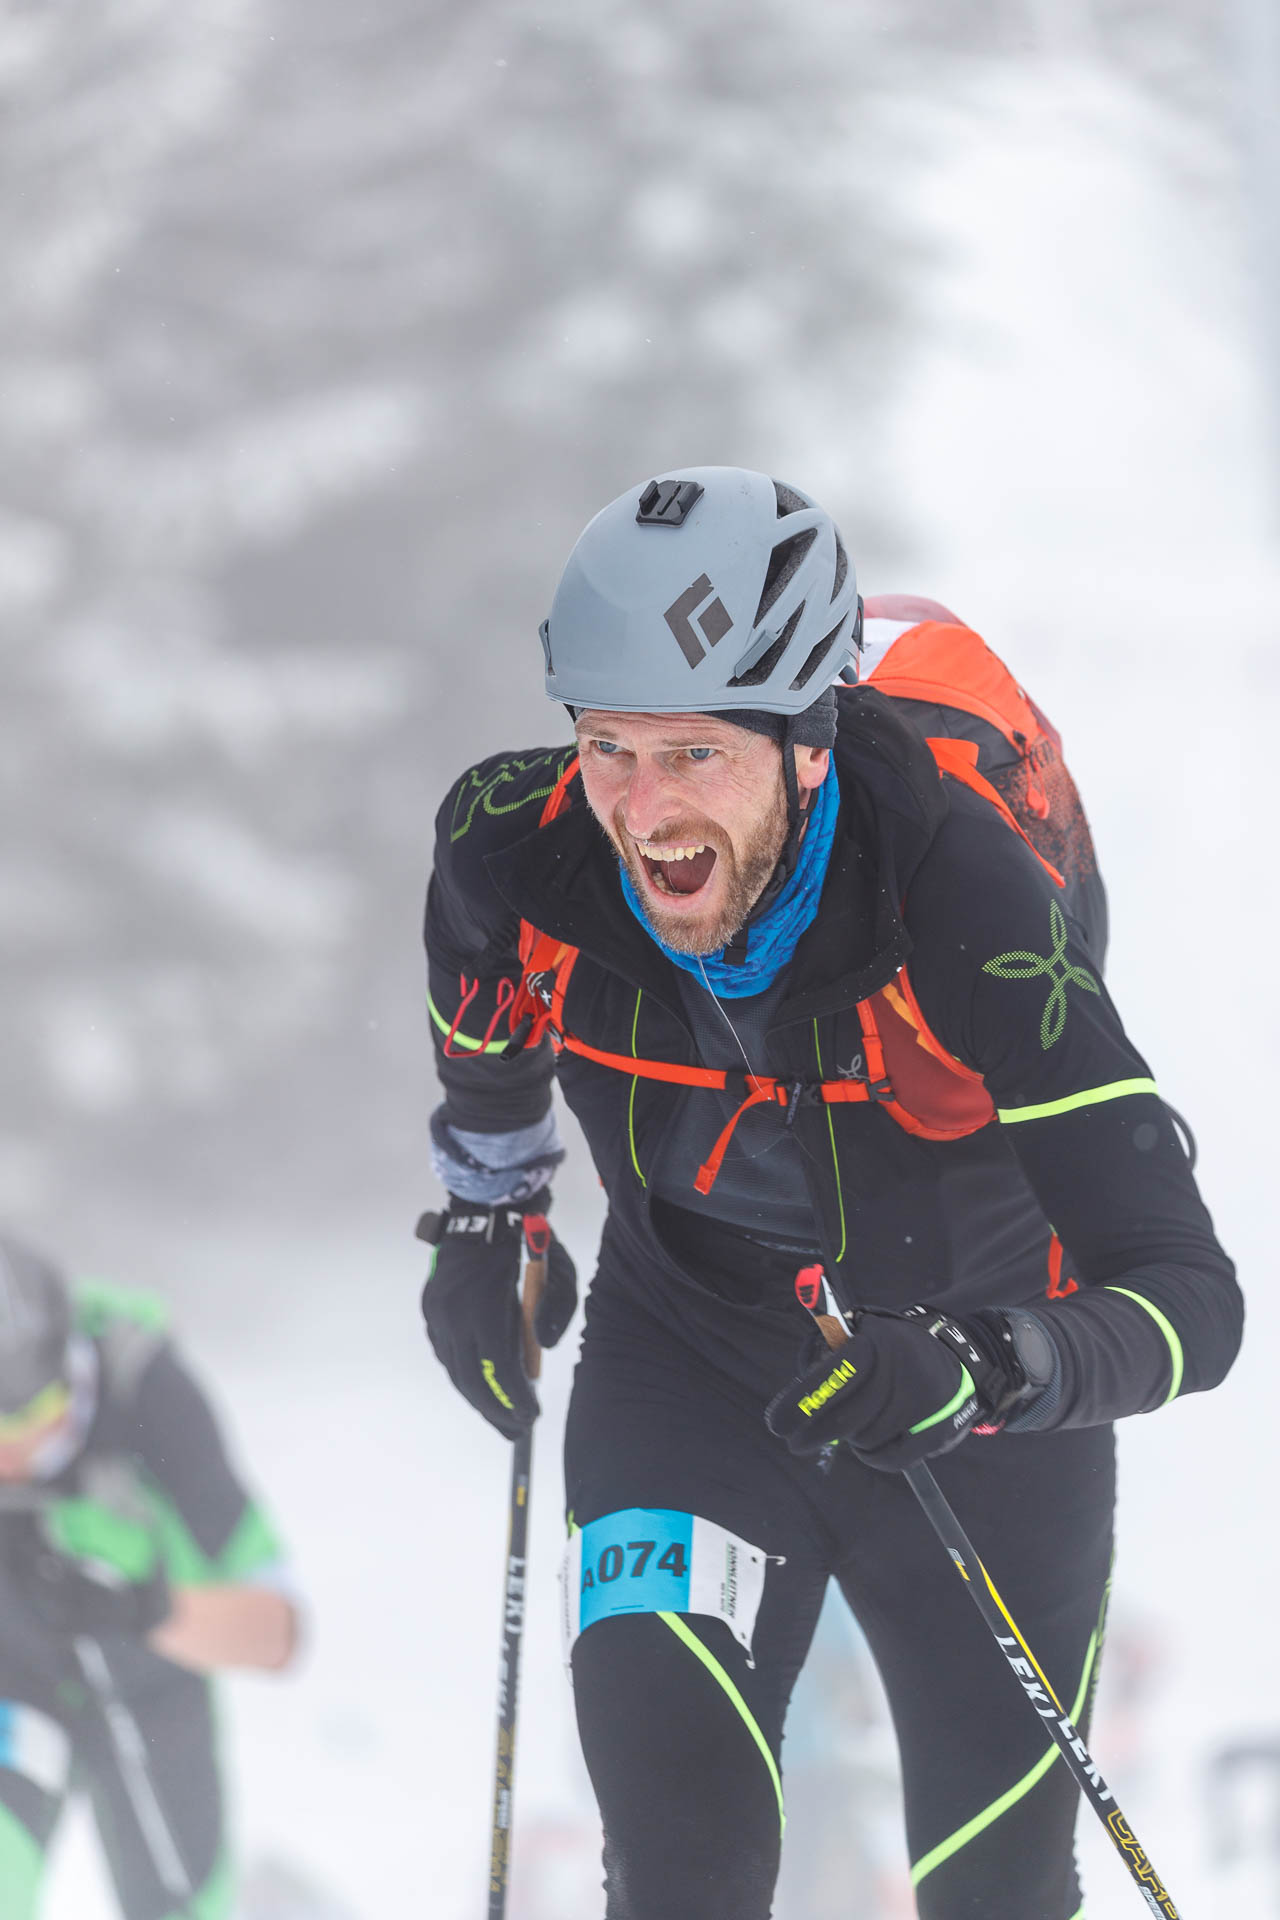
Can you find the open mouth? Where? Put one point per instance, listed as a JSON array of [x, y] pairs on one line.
[[678, 870]]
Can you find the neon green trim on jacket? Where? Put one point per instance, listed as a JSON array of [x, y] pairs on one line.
[[1091, 1097], [717, 1672], [1175, 1345], [460, 1039], [961, 1395], [134, 1544], [251, 1549], [631, 1104], [989, 1815], [98, 1302], [89, 1530]]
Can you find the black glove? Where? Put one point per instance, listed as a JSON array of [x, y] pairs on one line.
[[471, 1302], [909, 1385], [91, 1596]]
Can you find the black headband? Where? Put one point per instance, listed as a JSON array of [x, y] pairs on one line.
[[815, 727]]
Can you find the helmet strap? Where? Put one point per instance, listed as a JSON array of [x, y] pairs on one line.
[[735, 954]]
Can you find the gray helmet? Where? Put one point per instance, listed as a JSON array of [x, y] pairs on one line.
[[711, 589], [35, 1324]]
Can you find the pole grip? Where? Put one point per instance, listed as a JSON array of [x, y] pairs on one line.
[[835, 1335], [535, 1280]]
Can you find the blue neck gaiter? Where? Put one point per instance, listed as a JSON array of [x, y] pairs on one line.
[[773, 938]]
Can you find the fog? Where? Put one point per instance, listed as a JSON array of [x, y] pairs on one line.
[[324, 331]]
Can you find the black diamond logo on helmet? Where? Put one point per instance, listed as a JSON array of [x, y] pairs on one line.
[[713, 622]]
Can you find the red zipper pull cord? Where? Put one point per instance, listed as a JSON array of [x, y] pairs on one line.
[[505, 995]]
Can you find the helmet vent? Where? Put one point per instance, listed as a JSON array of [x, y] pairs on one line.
[[783, 561], [789, 501], [816, 656], [842, 568], [760, 670]]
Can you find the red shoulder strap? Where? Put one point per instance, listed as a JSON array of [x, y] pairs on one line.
[[541, 952], [553, 951], [560, 792]]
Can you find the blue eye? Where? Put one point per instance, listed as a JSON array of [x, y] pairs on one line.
[[605, 746], [700, 754]]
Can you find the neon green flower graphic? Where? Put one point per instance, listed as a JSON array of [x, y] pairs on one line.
[[487, 793], [1056, 968]]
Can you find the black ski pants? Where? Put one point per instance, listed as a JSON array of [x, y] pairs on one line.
[[683, 1737]]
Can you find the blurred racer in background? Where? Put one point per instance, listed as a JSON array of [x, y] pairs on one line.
[[134, 1564]]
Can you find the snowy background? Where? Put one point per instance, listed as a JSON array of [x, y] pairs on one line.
[[322, 332]]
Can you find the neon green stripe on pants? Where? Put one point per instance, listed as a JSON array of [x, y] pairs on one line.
[[717, 1672], [1010, 1798]]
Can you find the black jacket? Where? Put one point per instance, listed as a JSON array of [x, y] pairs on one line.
[[921, 871]]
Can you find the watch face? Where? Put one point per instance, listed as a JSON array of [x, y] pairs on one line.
[[1035, 1351]]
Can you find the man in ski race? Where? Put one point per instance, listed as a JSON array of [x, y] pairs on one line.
[[819, 967], [133, 1565]]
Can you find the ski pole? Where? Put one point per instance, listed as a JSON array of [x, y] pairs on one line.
[[1008, 1635], [135, 1772], [537, 1241], [1040, 1694]]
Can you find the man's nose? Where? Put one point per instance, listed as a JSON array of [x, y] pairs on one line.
[[651, 800]]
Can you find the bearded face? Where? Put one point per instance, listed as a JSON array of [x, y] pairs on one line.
[[696, 809]]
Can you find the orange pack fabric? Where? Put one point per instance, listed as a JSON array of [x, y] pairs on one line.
[[933, 1095], [953, 665], [959, 758], [942, 663]]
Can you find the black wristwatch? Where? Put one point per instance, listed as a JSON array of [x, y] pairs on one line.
[[1033, 1348]]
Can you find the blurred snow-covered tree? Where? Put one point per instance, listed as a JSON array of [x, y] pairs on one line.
[[321, 332]]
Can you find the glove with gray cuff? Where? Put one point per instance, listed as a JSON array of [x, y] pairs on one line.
[[471, 1302]]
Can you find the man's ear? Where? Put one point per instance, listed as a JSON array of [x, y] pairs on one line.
[[811, 767]]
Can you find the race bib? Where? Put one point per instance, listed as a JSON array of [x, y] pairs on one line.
[[654, 1560]]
